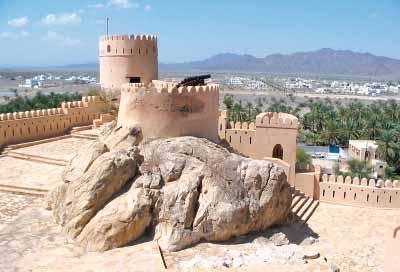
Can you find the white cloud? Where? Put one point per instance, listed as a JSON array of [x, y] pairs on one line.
[[14, 35], [61, 19], [147, 7], [18, 22], [122, 4], [61, 40], [97, 6]]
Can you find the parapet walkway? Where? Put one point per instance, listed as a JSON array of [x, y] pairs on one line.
[[34, 168]]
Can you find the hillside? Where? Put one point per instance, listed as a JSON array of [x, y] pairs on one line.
[[320, 62]]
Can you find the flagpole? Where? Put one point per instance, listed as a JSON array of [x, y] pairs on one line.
[[108, 19]]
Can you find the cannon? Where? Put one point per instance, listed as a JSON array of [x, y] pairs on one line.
[[194, 81]]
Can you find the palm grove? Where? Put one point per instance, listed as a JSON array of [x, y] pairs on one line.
[[333, 123]]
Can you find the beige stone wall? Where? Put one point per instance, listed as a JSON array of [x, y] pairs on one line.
[[123, 56], [306, 183], [258, 140], [392, 251], [26, 126], [360, 192], [167, 111]]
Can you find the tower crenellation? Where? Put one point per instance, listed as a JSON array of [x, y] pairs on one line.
[[168, 88], [276, 120]]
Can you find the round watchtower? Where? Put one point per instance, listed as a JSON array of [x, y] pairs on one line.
[[127, 59], [164, 110]]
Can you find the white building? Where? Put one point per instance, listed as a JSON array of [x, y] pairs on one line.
[[30, 83]]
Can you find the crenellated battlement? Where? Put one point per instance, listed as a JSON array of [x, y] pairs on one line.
[[30, 114], [360, 191], [26, 126], [168, 88], [125, 45], [276, 120], [244, 125], [128, 38], [361, 182], [85, 102]]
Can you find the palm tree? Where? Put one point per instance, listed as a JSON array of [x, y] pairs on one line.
[[331, 132], [249, 107], [387, 146], [228, 101], [373, 126]]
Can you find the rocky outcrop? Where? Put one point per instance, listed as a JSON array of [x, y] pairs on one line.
[[83, 197], [183, 189], [81, 162]]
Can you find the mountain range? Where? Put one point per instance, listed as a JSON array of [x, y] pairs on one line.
[[321, 62]]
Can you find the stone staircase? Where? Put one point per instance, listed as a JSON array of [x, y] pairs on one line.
[[23, 190], [35, 158], [104, 118], [84, 136], [81, 128], [302, 208]]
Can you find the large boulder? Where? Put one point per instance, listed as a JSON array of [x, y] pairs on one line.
[[183, 189], [83, 159], [82, 198]]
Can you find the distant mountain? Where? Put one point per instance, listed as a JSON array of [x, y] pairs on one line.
[[321, 62]]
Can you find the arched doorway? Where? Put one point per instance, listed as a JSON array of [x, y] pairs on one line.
[[277, 152]]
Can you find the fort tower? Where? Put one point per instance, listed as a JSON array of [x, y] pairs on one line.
[[127, 59], [164, 109]]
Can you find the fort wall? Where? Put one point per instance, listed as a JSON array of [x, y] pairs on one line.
[[32, 125], [392, 251], [167, 111], [360, 192], [124, 57], [273, 135]]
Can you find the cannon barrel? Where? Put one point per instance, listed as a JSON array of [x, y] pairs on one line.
[[194, 80]]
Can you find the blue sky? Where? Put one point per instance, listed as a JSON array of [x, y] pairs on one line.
[[57, 32]]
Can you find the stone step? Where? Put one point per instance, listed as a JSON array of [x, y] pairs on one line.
[[39, 190], [305, 208], [76, 129], [310, 212], [300, 204], [37, 142], [36, 158], [296, 200], [84, 136], [22, 190]]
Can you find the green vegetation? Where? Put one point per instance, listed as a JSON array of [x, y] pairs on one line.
[[303, 160], [37, 102], [357, 168]]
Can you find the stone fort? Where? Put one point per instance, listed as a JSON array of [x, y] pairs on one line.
[[129, 70]]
